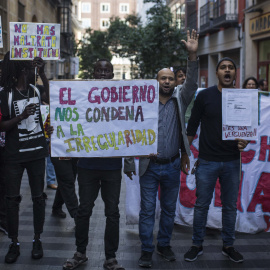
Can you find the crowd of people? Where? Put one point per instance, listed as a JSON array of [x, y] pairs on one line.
[[24, 147]]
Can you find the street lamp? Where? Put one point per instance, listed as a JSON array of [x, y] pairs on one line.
[[124, 73]]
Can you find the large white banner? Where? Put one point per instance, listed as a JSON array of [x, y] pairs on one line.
[[253, 207], [104, 118], [28, 40]]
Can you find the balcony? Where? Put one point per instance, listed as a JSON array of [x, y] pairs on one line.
[[192, 20], [214, 15]]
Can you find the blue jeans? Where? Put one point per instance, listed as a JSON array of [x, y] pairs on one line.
[[207, 174], [168, 177], [50, 173]]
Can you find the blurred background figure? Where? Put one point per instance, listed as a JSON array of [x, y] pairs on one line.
[[180, 75], [3, 216], [250, 83], [262, 85], [50, 173]]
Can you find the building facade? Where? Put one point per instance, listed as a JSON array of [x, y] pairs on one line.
[[220, 25], [239, 29], [257, 40]]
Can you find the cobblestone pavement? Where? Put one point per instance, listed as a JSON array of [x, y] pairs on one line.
[[58, 243]]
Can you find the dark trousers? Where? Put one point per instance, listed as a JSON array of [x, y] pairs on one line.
[[90, 181], [2, 186], [14, 172], [66, 171]]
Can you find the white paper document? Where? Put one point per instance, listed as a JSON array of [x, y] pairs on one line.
[[239, 114]]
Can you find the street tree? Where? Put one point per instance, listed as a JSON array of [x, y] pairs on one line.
[[92, 47], [151, 47]]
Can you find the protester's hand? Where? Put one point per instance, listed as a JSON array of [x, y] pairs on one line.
[[129, 174], [185, 163], [29, 110], [49, 130], [152, 157], [242, 144], [40, 64], [192, 44]]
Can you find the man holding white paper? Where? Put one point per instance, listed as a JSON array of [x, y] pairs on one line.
[[217, 159]]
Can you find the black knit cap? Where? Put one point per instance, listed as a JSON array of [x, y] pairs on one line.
[[225, 59]]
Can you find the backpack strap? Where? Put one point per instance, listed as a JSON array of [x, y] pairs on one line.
[[10, 98], [37, 91]]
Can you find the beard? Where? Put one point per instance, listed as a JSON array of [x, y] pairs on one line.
[[166, 94]]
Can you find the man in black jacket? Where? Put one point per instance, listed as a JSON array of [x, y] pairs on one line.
[[217, 159]]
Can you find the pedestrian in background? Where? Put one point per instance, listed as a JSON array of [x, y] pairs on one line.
[[3, 214], [262, 85], [180, 75], [250, 83], [66, 172], [50, 173]]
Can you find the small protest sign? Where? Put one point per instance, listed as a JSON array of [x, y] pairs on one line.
[[28, 40], [239, 114], [104, 118]]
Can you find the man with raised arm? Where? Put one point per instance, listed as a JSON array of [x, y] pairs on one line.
[[164, 167]]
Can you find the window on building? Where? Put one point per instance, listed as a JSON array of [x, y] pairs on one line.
[[86, 7], [104, 7], [21, 9], [124, 8], [180, 8], [65, 17], [3, 14], [86, 22], [117, 74], [104, 23]]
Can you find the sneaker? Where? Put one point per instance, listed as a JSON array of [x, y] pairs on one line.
[[146, 259], [59, 213], [3, 227], [233, 254], [193, 253], [166, 253], [37, 251], [13, 253]]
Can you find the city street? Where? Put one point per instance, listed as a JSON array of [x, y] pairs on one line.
[[58, 243]]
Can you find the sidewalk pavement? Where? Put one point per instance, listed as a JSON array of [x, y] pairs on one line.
[[59, 243]]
